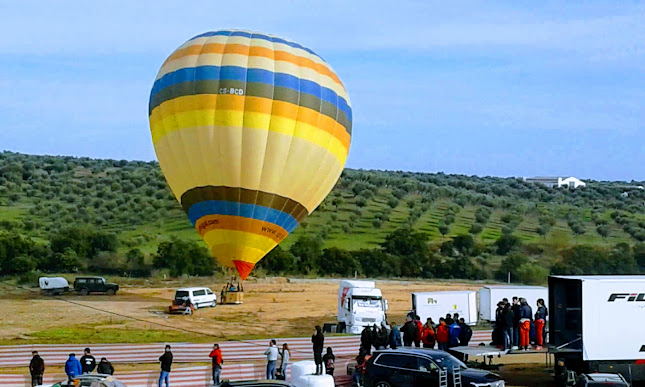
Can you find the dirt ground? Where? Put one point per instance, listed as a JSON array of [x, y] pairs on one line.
[[272, 307]]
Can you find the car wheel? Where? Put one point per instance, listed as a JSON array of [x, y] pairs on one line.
[[110, 292], [213, 304], [196, 306], [382, 384], [84, 292]]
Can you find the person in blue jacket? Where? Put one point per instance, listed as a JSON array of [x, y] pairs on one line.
[[395, 337], [454, 332], [73, 367]]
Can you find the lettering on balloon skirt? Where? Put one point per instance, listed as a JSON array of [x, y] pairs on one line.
[[231, 90], [203, 225]]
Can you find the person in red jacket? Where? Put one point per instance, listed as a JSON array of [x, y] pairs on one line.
[[428, 335], [216, 355], [443, 335], [419, 324]]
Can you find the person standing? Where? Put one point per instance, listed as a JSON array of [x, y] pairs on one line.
[[88, 362], [36, 369], [285, 354], [329, 360], [419, 332], [72, 367], [318, 341], [443, 335], [448, 319], [508, 320], [454, 333], [409, 331], [395, 337], [105, 367], [428, 335], [272, 359], [216, 356], [366, 340], [540, 321], [516, 308], [166, 364], [466, 333], [526, 316]]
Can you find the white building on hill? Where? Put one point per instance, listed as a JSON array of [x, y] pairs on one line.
[[556, 182]]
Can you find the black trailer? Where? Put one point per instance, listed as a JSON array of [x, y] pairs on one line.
[[597, 324]]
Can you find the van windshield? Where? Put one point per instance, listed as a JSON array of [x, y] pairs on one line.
[[181, 294], [366, 302]]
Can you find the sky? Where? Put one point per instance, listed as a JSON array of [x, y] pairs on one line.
[[505, 88]]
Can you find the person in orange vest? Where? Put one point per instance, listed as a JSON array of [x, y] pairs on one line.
[[443, 335], [216, 355], [428, 335], [419, 325]]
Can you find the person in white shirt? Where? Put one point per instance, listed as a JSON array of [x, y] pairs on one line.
[[272, 359], [286, 354]]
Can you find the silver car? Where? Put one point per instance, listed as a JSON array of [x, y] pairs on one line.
[[91, 380]]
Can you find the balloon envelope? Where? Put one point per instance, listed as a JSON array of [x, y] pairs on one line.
[[252, 132]]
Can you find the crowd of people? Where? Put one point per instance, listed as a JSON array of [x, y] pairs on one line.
[[516, 327], [73, 367]]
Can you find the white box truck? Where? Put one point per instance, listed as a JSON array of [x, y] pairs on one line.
[[490, 295], [438, 304], [360, 304], [596, 323]]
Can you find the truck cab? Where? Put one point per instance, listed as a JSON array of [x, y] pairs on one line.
[[360, 304]]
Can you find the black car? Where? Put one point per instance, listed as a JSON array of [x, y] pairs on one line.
[[405, 367], [87, 285], [255, 383]]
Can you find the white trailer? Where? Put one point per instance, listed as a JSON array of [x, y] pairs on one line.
[[438, 304], [490, 295], [596, 323], [52, 286], [360, 304]]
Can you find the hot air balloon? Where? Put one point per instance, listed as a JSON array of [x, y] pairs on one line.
[[251, 132]]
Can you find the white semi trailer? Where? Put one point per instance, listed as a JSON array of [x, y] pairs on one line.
[[438, 304], [490, 295], [596, 323], [360, 304]]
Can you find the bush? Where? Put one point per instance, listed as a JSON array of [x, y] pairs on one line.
[[30, 278], [532, 274]]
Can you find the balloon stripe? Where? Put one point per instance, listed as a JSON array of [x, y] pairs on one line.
[[240, 223], [201, 201], [254, 35], [225, 118], [251, 51], [255, 241], [260, 105], [253, 89], [236, 73]]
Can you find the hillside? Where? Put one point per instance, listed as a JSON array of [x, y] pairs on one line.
[[40, 195]]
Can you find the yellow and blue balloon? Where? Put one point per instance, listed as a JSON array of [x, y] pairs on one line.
[[252, 132]]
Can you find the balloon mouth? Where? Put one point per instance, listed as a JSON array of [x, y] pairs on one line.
[[244, 268]]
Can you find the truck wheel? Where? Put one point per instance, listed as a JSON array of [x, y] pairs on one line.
[[84, 292], [110, 292], [342, 328], [382, 384]]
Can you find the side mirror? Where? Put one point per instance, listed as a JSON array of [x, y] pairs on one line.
[[386, 306], [346, 304]]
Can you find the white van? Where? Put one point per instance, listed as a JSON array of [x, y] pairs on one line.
[[199, 297]]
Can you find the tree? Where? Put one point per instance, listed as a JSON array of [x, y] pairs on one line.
[[376, 263], [507, 243], [392, 202], [278, 261], [405, 241], [443, 228], [307, 251], [511, 264], [338, 261], [476, 228], [603, 231], [183, 257], [532, 274]]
